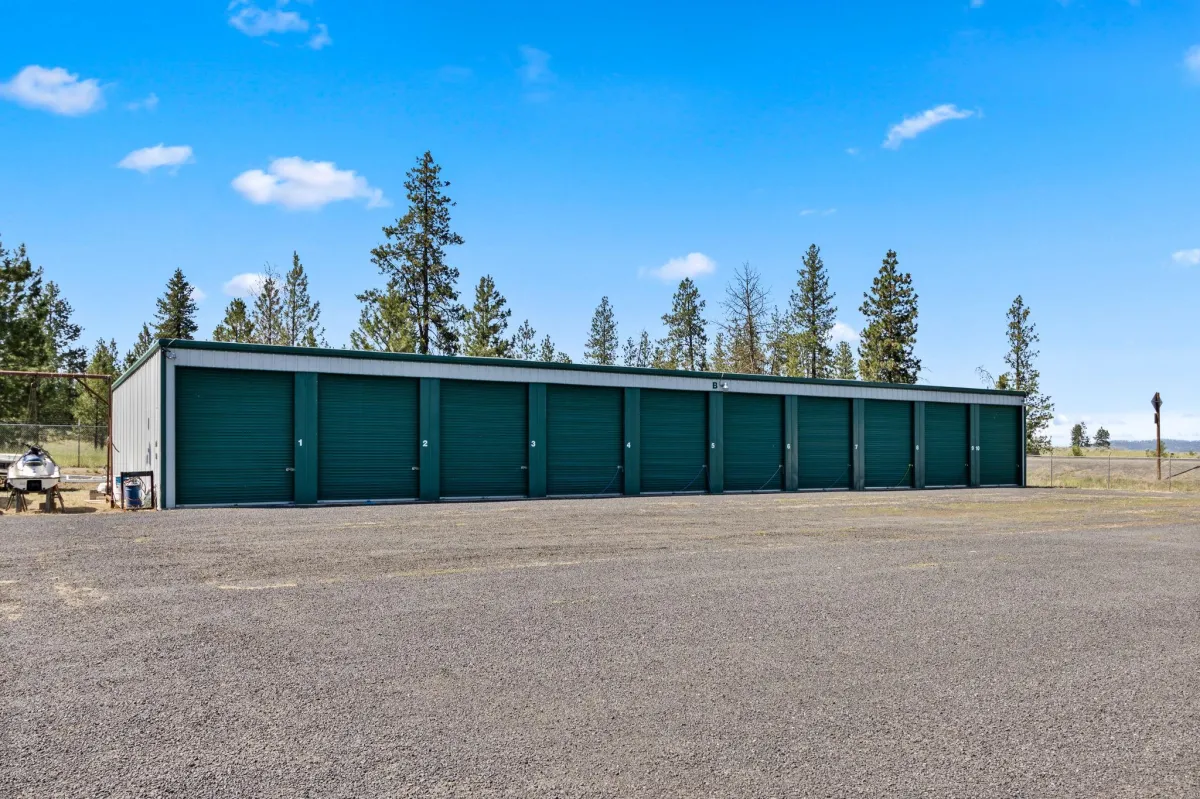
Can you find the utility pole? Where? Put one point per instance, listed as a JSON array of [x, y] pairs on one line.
[[1157, 403]]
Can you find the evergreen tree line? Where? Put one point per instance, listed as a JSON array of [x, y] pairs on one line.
[[418, 309]]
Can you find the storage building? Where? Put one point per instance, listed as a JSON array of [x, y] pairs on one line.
[[244, 424]]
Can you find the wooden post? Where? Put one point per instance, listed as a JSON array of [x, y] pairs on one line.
[[1157, 403]]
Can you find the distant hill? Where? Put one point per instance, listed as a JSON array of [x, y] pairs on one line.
[[1172, 444]]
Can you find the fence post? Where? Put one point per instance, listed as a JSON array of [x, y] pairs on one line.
[[1052, 467]]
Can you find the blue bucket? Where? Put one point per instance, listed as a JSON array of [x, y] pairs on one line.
[[133, 494]]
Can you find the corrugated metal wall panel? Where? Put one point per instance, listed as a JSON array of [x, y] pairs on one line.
[[514, 371], [367, 438], [484, 439], [999, 445], [889, 444], [233, 436], [947, 444], [584, 440], [823, 436], [137, 422], [753, 442], [674, 440]]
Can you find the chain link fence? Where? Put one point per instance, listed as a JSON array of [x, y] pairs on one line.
[[1138, 473], [70, 445]]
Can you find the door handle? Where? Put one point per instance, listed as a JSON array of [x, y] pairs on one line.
[[289, 468]]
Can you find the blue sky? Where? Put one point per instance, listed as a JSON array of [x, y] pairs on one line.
[[1037, 147]]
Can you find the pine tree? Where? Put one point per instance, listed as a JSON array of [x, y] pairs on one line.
[[236, 325], [385, 322], [642, 353], [813, 314], [746, 322], [60, 353], [549, 354], [524, 343], [266, 319], [22, 340], [630, 354], [1022, 375], [720, 357], [176, 315], [89, 411], [602, 341], [1079, 439], [843, 363], [301, 316], [140, 347], [414, 259], [486, 322], [686, 339], [782, 355], [886, 349], [1102, 440], [36, 334]]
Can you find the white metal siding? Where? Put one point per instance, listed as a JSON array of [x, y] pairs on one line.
[[137, 424], [517, 373]]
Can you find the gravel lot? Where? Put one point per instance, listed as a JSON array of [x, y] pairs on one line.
[[972, 643]]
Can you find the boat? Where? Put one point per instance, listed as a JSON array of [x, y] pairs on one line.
[[35, 471]]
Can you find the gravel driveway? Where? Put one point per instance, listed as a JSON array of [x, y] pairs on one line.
[[972, 643]]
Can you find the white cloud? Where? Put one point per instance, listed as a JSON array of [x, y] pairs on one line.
[[198, 294], [1191, 60], [254, 21], [818, 212], [851, 151], [693, 264], [320, 39], [535, 66], [976, 3], [246, 284], [1187, 257], [54, 90], [296, 183], [843, 332], [150, 103], [914, 126], [149, 158]]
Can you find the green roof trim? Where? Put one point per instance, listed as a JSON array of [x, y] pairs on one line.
[[271, 349]]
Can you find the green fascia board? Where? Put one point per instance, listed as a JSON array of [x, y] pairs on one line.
[[271, 349]]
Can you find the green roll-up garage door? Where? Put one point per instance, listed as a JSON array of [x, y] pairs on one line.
[[889, 444], [584, 440], [999, 445], [674, 440], [233, 436], [947, 444], [753, 427], [484, 439], [823, 437], [367, 437]]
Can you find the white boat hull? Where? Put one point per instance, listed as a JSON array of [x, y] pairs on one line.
[[34, 472]]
